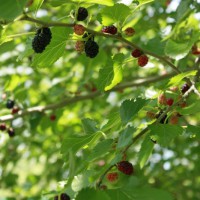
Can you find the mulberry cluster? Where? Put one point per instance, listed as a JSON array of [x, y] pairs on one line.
[[142, 58], [41, 39]]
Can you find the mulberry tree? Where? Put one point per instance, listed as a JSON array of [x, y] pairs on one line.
[[99, 99]]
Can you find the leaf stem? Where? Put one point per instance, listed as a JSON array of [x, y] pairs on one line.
[[20, 34]]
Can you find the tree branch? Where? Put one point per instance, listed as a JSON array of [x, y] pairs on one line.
[[67, 101], [118, 37]]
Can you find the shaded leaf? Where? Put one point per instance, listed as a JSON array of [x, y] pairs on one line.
[[193, 131], [89, 126], [10, 9], [193, 108], [114, 14], [165, 133], [114, 121], [125, 137], [179, 50], [131, 107], [100, 149], [145, 151], [92, 194], [106, 75], [175, 81], [75, 142], [117, 69]]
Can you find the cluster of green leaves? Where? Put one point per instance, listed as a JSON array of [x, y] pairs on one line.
[[166, 170]]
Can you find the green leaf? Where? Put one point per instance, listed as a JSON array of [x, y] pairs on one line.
[[175, 81], [81, 181], [100, 149], [142, 2], [75, 142], [118, 195], [125, 137], [28, 50], [35, 120], [36, 5], [117, 69], [165, 133], [89, 126], [149, 194], [10, 9], [193, 131], [92, 194], [3, 37], [155, 42], [106, 75], [145, 151], [193, 108], [178, 50], [131, 193], [114, 121], [54, 50], [114, 14], [183, 9], [100, 2], [111, 75], [131, 107]]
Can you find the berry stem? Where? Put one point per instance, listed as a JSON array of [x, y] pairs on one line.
[[98, 185], [20, 34]]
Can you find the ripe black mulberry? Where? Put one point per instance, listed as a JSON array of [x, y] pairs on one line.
[[10, 104], [41, 39], [91, 48], [82, 14]]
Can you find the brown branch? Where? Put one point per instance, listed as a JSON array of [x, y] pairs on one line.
[[117, 37], [27, 18], [92, 95]]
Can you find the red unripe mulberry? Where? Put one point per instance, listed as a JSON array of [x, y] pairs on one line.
[[109, 29], [112, 177], [79, 29], [129, 31], [125, 167], [142, 60], [170, 101], [136, 53]]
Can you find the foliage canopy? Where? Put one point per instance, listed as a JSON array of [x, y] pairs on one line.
[[75, 117]]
